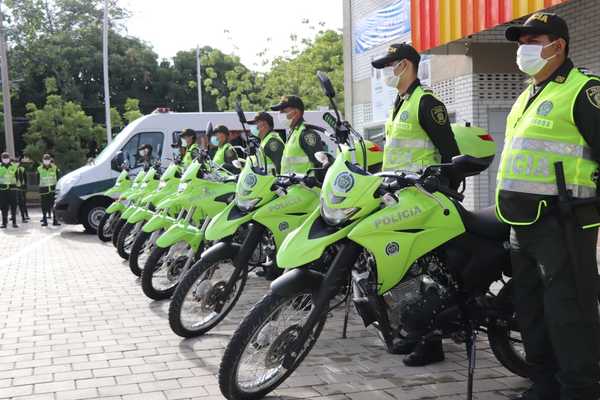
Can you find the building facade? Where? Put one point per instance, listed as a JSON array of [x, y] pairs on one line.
[[476, 76]]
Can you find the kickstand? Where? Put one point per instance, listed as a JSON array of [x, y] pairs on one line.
[[345, 328], [471, 344]]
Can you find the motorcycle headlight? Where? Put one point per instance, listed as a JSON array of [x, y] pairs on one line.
[[246, 205], [162, 184], [182, 186], [336, 216], [144, 185]]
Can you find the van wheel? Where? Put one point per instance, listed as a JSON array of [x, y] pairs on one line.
[[91, 214]]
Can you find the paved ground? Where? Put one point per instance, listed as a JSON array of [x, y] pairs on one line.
[[74, 324]]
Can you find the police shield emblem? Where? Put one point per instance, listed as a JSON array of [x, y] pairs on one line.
[[311, 139], [545, 108], [404, 116], [250, 181], [344, 182], [439, 115], [593, 95]]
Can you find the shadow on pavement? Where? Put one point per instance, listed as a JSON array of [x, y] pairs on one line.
[[160, 308]]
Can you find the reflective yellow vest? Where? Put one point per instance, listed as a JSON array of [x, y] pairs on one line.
[[263, 143], [187, 158], [407, 145], [219, 157], [541, 135], [48, 176], [294, 159], [8, 176]]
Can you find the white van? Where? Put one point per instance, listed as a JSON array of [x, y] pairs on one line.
[[79, 194]]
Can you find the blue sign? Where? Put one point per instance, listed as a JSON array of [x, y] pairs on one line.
[[384, 25]]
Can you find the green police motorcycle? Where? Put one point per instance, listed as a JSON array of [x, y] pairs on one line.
[[129, 230], [106, 224], [119, 206], [397, 246], [145, 241], [205, 190]]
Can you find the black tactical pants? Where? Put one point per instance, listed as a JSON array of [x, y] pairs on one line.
[[22, 202], [8, 201], [561, 336], [47, 200]]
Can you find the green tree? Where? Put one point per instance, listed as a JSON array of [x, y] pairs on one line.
[[132, 110], [296, 73], [61, 128]]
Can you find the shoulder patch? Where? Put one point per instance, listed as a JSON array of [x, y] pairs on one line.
[[273, 145], [593, 95], [310, 138], [439, 115]]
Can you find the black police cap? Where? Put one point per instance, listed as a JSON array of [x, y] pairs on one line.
[[262, 116], [397, 52], [188, 132], [221, 129], [539, 24], [289, 101]]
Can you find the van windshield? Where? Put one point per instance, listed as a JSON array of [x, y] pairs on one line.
[[115, 144]]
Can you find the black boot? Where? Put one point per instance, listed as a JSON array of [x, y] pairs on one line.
[[14, 224], [44, 222], [3, 226], [425, 353], [55, 223], [405, 346]]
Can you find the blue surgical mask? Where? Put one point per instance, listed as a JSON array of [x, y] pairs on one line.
[[254, 131], [214, 141]]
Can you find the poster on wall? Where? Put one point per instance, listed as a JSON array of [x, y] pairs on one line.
[[382, 26]]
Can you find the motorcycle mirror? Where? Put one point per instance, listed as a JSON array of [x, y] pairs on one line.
[[240, 112], [326, 84]]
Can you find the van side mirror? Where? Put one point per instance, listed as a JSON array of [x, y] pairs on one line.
[[117, 162]]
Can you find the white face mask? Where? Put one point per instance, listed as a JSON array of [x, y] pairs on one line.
[[5, 160], [46, 162], [390, 78], [529, 58], [254, 131], [285, 121]]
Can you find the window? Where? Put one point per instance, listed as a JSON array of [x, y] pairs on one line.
[[155, 139]]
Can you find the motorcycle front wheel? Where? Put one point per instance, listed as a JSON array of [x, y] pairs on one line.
[[117, 229], [125, 241], [105, 231], [200, 301], [140, 250], [252, 363], [162, 272]]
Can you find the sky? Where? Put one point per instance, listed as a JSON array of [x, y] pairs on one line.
[[173, 25]]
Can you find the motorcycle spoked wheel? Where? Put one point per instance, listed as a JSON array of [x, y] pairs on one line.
[[162, 272], [140, 251], [200, 302], [105, 227], [126, 238], [117, 229], [251, 365]]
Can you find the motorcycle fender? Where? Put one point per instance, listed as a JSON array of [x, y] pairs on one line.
[[128, 212], [307, 243], [116, 206], [293, 281], [220, 251], [141, 214], [157, 222], [227, 222], [112, 192], [181, 233]]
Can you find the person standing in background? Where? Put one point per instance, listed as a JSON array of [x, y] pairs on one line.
[[8, 181], [21, 189], [48, 175]]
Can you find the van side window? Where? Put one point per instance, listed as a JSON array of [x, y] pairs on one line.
[[155, 139]]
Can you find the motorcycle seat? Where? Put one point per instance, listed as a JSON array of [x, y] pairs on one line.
[[484, 223]]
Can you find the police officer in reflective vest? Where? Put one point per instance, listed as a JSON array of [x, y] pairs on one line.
[[8, 181], [21, 189], [557, 118], [417, 134], [271, 143], [48, 175], [303, 140], [192, 150], [225, 152]]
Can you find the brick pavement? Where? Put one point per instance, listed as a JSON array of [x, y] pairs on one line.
[[74, 324]]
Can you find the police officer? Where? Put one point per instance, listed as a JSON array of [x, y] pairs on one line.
[[145, 156], [303, 140], [48, 176], [557, 118], [417, 134], [192, 149], [271, 143], [8, 180], [236, 140], [224, 153], [21, 189]]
